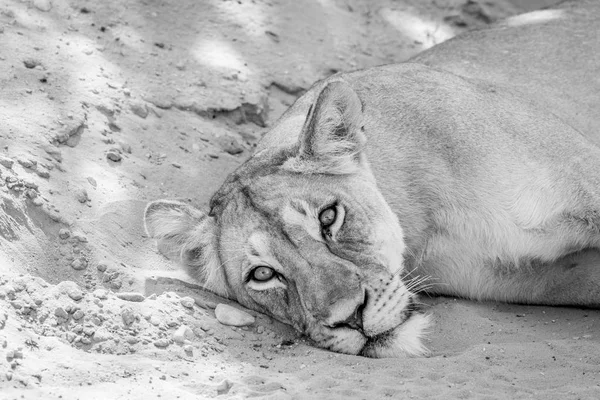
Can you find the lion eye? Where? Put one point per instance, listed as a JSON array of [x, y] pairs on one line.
[[327, 217], [263, 274]]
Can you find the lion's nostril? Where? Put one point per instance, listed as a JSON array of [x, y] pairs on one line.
[[354, 320]]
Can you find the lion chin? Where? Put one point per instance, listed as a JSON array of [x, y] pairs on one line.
[[401, 341]]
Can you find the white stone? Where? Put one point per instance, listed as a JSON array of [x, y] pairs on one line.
[[228, 315]]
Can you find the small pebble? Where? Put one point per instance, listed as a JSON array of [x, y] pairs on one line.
[[231, 316], [182, 333], [64, 233], [114, 155], [78, 264], [78, 314], [139, 109], [161, 343], [82, 196], [61, 313], [31, 63], [6, 162], [230, 144], [128, 316], [42, 172], [131, 296], [26, 162], [187, 302], [101, 335], [101, 294], [42, 5], [101, 267], [75, 294]]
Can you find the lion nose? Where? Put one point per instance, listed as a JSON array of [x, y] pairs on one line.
[[353, 320]]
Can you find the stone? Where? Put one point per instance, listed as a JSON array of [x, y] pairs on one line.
[[101, 335], [231, 316], [161, 343], [61, 313], [131, 296], [6, 162], [187, 302], [182, 333], [43, 5], [139, 109], [114, 155], [128, 316]]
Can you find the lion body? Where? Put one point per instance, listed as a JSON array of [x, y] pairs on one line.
[[476, 165]]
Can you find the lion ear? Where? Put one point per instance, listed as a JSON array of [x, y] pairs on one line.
[[332, 138], [188, 235]]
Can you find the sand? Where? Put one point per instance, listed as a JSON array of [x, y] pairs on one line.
[[107, 105]]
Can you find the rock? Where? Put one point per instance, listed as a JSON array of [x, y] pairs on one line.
[[231, 316], [79, 264], [114, 155], [161, 343], [187, 302], [80, 238], [101, 335], [42, 172], [71, 289], [64, 233], [31, 63], [116, 285], [128, 316], [188, 349], [26, 162], [182, 333], [82, 196], [53, 152], [132, 340], [43, 5], [30, 184], [139, 109], [101, 267], [75, 294], [73, 130], [229, 144], [92, 182], [6, 162], [160, 102], [131, 296], [61, 313], [224, 387], [101, 294], [78, 314]]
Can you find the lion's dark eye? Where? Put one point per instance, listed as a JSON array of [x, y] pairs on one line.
[[327, 217], [262, 274]]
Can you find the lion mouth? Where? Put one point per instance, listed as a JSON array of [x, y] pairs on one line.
[[410, 309], [404, 338]]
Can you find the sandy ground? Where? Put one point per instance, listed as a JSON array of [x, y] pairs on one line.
[[106, 105]]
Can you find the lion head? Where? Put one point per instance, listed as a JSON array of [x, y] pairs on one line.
[[303, 234]]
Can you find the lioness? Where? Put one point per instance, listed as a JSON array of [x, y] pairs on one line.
[[473, 171]]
